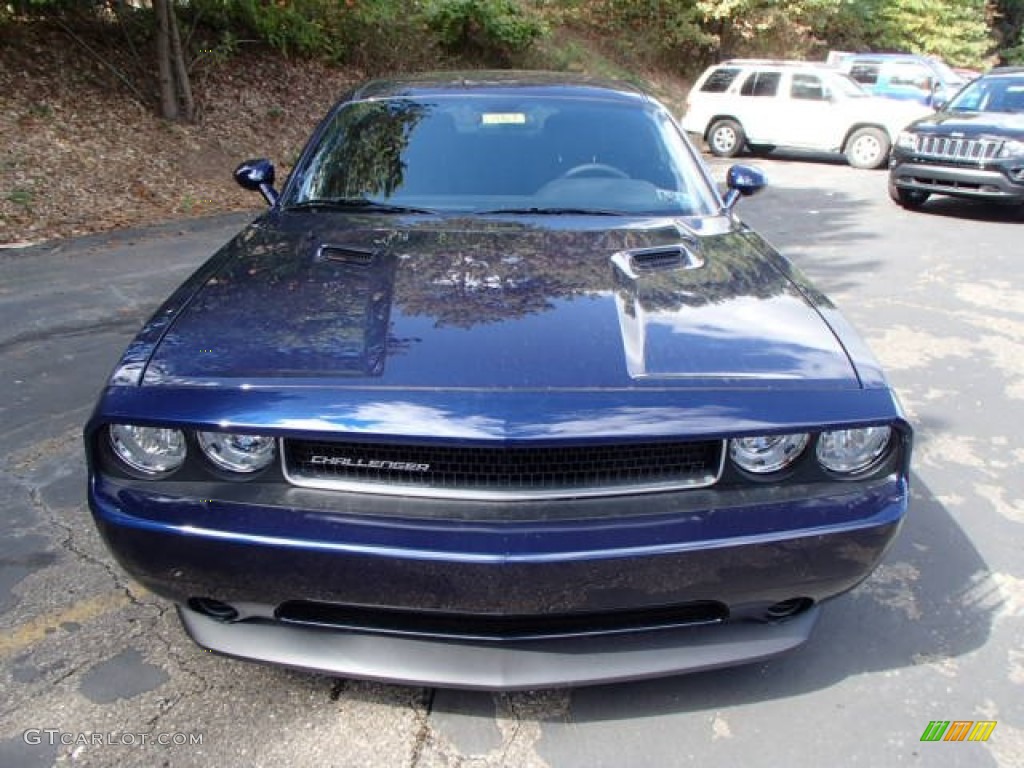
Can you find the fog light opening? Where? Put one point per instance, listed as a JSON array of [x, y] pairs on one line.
[[215, 609], [788, 608]]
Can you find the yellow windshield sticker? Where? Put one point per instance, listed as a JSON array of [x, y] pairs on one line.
[[503, 118]]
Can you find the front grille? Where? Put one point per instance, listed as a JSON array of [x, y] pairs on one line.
[[967, 150], [496, 627], [505, 473]]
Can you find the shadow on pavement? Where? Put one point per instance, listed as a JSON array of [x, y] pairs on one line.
[[928, 600], [972, 210]]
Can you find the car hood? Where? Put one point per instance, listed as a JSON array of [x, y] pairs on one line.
[[972, 124], [495, 303]]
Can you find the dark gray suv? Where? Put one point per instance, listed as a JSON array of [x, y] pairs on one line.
[[973, 147]]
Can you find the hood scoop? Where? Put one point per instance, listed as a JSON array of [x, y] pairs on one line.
[[356, 255], [641, 261]]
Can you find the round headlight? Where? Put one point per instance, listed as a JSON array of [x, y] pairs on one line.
[[237, 453], [150, 450], [849, 451], [767, 453]]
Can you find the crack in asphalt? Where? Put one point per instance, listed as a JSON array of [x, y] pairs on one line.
[[68, 544], [150, 613], [424, 731], [127, 324], [509, 701], [184, 661]]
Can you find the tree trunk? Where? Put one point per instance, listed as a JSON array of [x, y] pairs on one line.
[[168, 96], [188, 107]]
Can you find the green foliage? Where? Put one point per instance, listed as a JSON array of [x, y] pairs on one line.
[[1013, 55], [373, 35], [682, 35], [956, 31], [1007, 21], [687, 34], [382, 36], [661, 32], [293, 27], [788, 28], [487, 31], [377, 35], [21, 196]]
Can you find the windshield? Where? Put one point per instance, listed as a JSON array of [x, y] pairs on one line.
[[476, 154], [990, 94]]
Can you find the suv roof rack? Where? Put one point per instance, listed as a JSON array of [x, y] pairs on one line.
[[777, 63]]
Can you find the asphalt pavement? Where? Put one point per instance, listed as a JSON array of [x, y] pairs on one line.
[[95, 671]]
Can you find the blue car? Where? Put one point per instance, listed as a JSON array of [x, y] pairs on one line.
[[498, 393], [904, 76]]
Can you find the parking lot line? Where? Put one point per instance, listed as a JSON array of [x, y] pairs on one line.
[[34, 630]]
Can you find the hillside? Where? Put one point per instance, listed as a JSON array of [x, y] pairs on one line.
[[81, 154]]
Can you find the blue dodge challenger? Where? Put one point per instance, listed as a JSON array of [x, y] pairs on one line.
[[498, 393]]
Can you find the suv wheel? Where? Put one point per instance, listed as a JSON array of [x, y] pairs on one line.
[[867, 148], [726, 138]]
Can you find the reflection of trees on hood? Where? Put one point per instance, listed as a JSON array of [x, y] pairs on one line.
[[468, 278], [317, 315], [276, 293], [732, 269], [479, 276]]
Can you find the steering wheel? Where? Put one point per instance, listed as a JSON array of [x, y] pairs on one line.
[[595, 169]]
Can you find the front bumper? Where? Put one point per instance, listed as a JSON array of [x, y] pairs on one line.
[[507, 666], [969, 182], [742, 554]]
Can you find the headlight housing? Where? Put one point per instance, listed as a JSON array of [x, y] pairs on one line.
[[763, 454], [906, 140], [1012, 148], [153, 451], [237, 452], [851, 451]]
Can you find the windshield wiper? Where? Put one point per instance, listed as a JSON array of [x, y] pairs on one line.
[[551, 211], [355, 204]]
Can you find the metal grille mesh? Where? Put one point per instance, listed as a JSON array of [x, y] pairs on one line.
[[970, 150], [528, 471]]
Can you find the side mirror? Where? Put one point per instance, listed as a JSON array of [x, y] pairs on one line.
[[258, 176], [742, 181]]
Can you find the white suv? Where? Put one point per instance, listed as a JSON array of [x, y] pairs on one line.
[[766, 104]]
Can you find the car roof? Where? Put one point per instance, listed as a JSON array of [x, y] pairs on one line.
[[498, 82]]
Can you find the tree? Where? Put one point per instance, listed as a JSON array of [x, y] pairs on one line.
[[1007, 22], [176, 102], [956, 30], [768, 27]]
